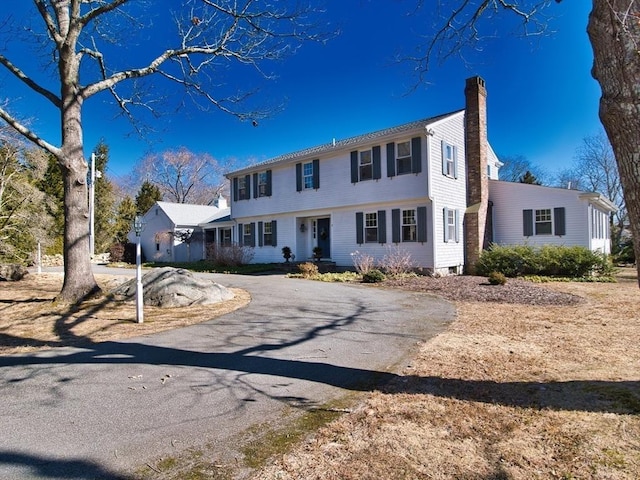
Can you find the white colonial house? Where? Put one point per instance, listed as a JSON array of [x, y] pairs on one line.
[[172, 231], [428, 188]]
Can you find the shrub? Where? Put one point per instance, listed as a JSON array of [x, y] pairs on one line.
[[116, 252], [308, 269], [497, 278], [232, 255], [396, 261], [511, 260], [373, 276], [548, 260], [362, 262]]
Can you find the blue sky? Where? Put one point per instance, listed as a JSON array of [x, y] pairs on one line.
[[541, 98]]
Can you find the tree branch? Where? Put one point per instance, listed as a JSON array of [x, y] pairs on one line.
[[52, 97], [28, 134]]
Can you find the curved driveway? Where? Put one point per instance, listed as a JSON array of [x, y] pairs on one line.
[[103, 410]]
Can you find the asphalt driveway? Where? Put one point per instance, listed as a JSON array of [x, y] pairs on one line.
[[104, 410]]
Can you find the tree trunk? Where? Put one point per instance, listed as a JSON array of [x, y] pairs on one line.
[[614, 31], [79, 282]]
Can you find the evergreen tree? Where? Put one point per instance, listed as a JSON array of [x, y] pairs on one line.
[[529, 178], [147, 196], [52, 186], [124, 219], [104, 208]]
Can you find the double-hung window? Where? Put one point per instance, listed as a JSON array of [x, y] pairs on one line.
[[403, 157], [409, 226], [262, 184], [371, 227], [366, 165], [451, 224], [307, 175], [247, 234], [243, 191], [543, 221], [268, 234], [448, 160], [225, 237]]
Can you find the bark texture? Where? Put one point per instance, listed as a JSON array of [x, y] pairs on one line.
[[614, 32]]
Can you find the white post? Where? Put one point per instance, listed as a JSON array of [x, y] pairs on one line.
[[92, 199], [139, 291]]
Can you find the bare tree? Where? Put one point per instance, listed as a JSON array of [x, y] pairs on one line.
[[90, 44], [614, 33], [516, 166], [595, 170], [183, 176]]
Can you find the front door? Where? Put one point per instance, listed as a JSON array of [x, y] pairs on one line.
[[324, 240]]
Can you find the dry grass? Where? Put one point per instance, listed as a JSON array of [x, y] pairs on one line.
[[29, 320], [508, 392]]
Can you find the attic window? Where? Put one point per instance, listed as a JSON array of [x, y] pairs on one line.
[[156, 211]]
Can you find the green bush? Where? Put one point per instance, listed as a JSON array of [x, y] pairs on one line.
[[548, 260], [497, 278], [373, 276]]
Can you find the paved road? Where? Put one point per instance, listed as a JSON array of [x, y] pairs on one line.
[[102, 411]]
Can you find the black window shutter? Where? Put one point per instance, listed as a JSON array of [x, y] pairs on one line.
[[455, 162], [255, 185], [253, 234], [298, 177], [559, 221], [382, 226], [422, 224], [260, 230], [316, 174], [240, 234], [359, 228], [354, 167], [247, 180], [268, 183], [391, 159], [274, 236], [377, 159], [456, 219], [235, 189], [395, 225], [416, 155], [527, 223]]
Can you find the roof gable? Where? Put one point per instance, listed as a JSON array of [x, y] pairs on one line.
[[189, 214]]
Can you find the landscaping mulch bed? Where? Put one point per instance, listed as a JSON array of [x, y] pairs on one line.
[[478, 289]]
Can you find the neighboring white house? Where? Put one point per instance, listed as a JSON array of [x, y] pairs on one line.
[[537, 215], [422, 187], [172, 231]]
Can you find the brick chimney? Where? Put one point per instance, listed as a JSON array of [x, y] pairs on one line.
[[475, 217]]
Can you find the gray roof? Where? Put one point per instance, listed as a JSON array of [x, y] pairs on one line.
[[359, 139], [188, 214]]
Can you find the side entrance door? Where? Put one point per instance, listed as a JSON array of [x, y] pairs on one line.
[[324, 238]]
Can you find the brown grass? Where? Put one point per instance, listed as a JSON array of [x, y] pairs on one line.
[[29, 320], [507, 392]]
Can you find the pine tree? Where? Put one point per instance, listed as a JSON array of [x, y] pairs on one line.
[[146, 197]]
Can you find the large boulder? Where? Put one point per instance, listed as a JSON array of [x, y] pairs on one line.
[[12, 272], [174, 287]]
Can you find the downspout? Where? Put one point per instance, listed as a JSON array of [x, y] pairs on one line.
[[428, 134]]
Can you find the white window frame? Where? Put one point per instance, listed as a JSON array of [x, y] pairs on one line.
[[541, 218], [403, 159], [371, 227], [451, 225], [246, 234], [262, 184], [449, 152], [365, 165], [307, 175], [225, 237], [267, 233], [242, 188], [409, 226]]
